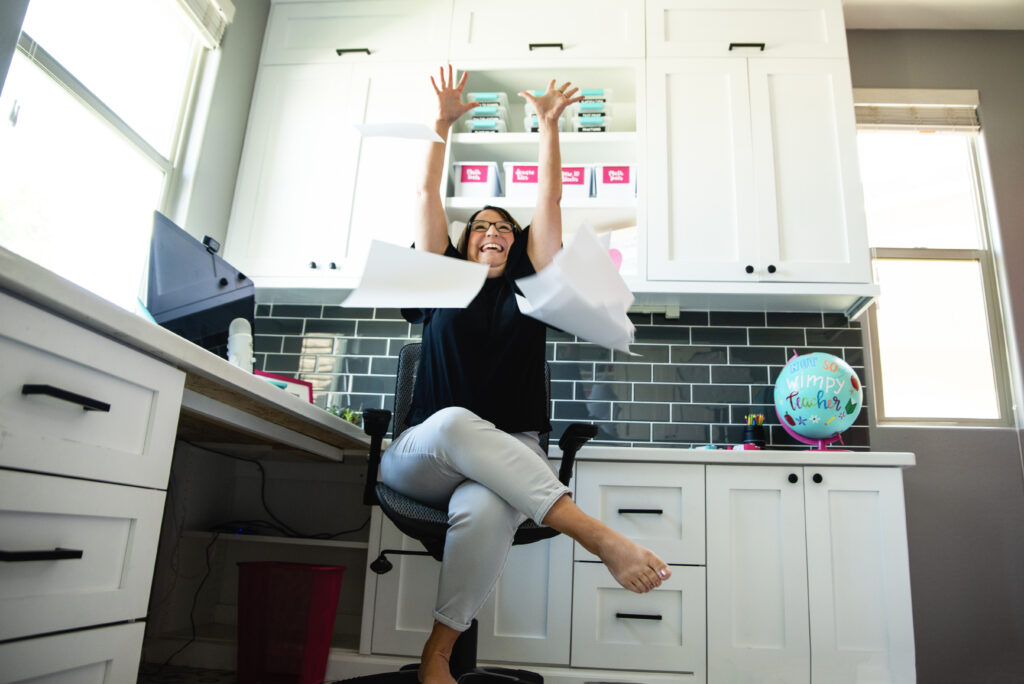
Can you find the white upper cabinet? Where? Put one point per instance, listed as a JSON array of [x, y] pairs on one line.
[[752, 28], [356, 31], [753, 172], [545, 31]]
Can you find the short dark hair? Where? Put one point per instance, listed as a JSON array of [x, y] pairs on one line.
[[463, 243]]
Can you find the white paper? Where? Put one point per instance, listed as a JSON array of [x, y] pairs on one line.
[[582, 293], [400, 277], [411, 131]]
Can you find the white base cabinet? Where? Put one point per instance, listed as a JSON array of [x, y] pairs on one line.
[[808, 575]]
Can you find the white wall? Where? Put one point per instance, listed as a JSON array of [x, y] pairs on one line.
[[965, 498]]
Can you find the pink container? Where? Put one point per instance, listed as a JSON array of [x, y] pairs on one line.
[[285, 621]]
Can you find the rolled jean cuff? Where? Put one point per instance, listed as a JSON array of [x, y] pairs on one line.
[[448, 622], [542, 510]]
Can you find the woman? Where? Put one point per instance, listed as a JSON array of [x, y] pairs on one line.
[[480, 401]]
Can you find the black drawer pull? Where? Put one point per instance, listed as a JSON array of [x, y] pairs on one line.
[[342, 51], [746, 45], [636, 616], [57, 393], [534, 46], [641, 511], [25, 556]]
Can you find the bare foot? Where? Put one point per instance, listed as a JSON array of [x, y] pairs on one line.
[[633, 566], [434, 668]]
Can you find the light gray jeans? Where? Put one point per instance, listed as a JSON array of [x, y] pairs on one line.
[[489, 480]]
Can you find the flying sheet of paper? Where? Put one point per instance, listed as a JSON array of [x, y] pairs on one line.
[[412, 131], [400, 277], [581, 293]]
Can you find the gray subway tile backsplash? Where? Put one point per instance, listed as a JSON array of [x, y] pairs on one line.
[[693, 381]]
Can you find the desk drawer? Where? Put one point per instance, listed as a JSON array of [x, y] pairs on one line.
[[131, 442], [660, 630], [109, 655], [659, 505], [115, 527]]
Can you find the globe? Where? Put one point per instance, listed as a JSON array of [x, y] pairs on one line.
[[817, 396]]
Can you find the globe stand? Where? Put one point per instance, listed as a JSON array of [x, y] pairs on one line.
[[819, 444]]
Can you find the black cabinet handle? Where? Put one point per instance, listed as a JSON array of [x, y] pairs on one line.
[[312, 264], [57, 393], [771, 268], [48, 555], [333, 266], [342, 51], [642, 511], [793, 478], [749, 269], [534, 46], [746, 45], [817, 478], [636, 616]]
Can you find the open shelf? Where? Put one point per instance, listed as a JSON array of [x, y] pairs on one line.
[[266, 539]]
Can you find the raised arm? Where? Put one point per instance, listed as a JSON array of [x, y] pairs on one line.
[[546, 226], [432, 224]]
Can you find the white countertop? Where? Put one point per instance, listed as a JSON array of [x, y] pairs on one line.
[[831, 457], [206, 373]]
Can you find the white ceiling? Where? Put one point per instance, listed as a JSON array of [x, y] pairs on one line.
[[934, 14]]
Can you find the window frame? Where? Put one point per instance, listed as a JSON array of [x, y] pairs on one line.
[[985, 257], [171, 165]]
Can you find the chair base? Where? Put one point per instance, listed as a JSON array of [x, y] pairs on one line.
[[481, 675]]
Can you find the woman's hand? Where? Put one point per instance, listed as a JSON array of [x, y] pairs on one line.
[[449, 97], [553, 102]]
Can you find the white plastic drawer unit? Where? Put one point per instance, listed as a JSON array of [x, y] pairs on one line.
[[74, 553], [616, 628], [659, 505], [352, 31], [745, 28], [108, 655], [75, 403]]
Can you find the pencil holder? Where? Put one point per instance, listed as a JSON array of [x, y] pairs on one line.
[[754, 434]]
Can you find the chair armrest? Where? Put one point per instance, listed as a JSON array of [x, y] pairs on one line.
[[575, 436], [375, 424]]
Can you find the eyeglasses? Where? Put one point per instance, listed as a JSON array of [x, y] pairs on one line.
[[480, 226]]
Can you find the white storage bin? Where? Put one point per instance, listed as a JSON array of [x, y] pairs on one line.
[[615, 181], [521, 180], [476, 179], [577, 180], [530, 124], [592, 123], [596, 94], [486, 126], [490, 97], [590, 108]]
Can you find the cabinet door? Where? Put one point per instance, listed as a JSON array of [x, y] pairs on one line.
[[526, 618], [314, 32], [706, 28], [809, 206], [700, 211], [389, 169], [757, 575], [546, 31], [107, 655], [857, 568], [294, 192]]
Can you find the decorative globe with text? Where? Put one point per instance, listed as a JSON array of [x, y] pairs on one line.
[[817, 396]]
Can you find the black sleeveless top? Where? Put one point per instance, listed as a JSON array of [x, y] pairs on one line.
[[488, 357]]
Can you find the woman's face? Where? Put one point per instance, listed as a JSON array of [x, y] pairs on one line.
[[489, 241]]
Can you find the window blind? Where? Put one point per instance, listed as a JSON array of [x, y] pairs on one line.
[[923, 110], [211, 18]]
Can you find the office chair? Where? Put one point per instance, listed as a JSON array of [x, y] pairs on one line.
[[429, 525]]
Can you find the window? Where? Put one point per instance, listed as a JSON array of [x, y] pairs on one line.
[[93, 109], [936, 332]]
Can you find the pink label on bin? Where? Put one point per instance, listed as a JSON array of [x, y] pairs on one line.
[[573, 175], [524, 174], [474, 174], [615, 174]]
